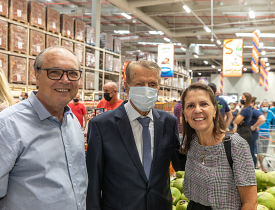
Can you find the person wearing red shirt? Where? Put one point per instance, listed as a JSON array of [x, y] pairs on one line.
[[110, 101], [79, 110]]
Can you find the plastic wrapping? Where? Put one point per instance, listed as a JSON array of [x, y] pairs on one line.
[[4, 63], [79, 51], [67, 25], [37, 14], [4, 8], [51, 41], [90, 80], [68, 44], [90, 59], [106, 41], [3, 35], [108, 62], [18, 39], [90, 34], [53, 20], [32, 79], [79, 30], [18, 10], [18, 70], [80, 81], [37, 42], [117, 45], [116, 64]]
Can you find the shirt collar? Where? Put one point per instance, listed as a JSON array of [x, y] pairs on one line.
[[41, 111], [133, 114]]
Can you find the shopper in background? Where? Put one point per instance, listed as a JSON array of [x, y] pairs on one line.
[[22, 95], [111, 100], [244, 117], [209, 181], [234, 112], [41, 143], [238, 105], [264, 131], [130, 148], [178, 115], [79, 110], [222, 105], [26, 95], [272, 108], [256, 120], [6, 98]]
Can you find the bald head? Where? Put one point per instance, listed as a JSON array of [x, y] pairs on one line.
[[110, 86], [111, 89]]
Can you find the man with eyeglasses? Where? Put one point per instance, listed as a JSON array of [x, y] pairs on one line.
[[42, 160]]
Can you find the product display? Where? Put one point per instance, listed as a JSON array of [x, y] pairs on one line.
[[108, 62], [79, 30], [117, 45], [68, 44], [79, 51], [37, 14], [4, 63], [18, 10], [90, 35], [106, 41], [90, 80], [53, 20], [90, 60], [4, 8], [67, 26], [51, 41], [18, 69], [32, 79], [18, 38], [3, 35], [80, 82], [37, 42], [116, 65]]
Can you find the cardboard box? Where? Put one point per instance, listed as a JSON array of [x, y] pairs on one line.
[[53, 20], [79, 30], [18, 38], [106, 41], [17, 70], [51, 41], [32, 79], [67, 26], [80, 81], [4, 8], [90, 60], [116, 65], [3, 35], [90, 34], [18, 10], [68, 44], [79, 51], [4, 63], [109, 62], [117, 45], [37, 14], [37, 42], [90, 80]]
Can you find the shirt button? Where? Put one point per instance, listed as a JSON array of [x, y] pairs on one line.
[[66, 145], [79, 204], [70, 165], [74, 184]]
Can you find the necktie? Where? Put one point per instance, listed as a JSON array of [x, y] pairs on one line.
[[147, 157]]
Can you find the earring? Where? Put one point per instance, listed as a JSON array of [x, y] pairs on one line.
[[214, 117]]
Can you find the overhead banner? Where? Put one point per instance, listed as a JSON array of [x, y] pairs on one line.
[[232, 57], [166, 59]]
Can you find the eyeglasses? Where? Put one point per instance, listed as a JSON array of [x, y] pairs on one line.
[[57, 74]]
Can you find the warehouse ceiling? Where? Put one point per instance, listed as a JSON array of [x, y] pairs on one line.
[[168, 17]]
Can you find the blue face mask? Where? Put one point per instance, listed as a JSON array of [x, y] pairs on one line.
[[264, 109], [20, 98], [144, 98]]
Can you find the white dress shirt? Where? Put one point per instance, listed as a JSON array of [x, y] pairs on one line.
[[137, 128]]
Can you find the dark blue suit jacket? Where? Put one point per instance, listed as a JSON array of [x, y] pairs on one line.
[[114, 165]]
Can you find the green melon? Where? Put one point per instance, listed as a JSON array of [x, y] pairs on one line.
[[271, 178], [271, 190], [178, 183], [174, 207], [180, 174], [260, 207], [175, 195], [182, 205], [266, 199], [182, 197], [261, 179]]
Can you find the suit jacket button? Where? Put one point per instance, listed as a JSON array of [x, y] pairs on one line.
[[148, 190]]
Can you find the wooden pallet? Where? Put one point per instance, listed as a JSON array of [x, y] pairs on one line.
[[39, 27], [19, 52], [15, 82], [6, 16], [54, 32], [20, 21], [34, 55], [3, 48], [80, 40], [32, 83], [70, 37]]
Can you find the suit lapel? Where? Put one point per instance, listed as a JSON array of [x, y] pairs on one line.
[[126, 133]]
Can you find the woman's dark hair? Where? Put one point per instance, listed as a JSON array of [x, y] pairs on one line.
[[253, 100], [187, 131], [248, 99]]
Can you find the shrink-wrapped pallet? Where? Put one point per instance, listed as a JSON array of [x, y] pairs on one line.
[[80, 81], [37, 14], [67, 26], [37, 42], [161, 92], [109, 62], [18, 39], [79, 30], [4, 8], [117, 45], [18, 10], [90, 59], [3, 35], [68, 44], [116, 65], [90, 34], [90, 80], [51, 41], [17, 70], [4, 63], [32, 79], [53, 20], [79, 52], [106, 41]]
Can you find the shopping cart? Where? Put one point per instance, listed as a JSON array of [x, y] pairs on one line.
[[266, 146]]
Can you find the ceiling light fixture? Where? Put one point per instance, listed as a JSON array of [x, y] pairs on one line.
[[183, 49], [166, 39], [266, 35], [244, 69], [199, 73], [156, 32], [121, 31], [261, 44], [196, 56], [207, 29], [268, 68], [251, 14], [219, 69], [206, 62], [265, 59], [186, 8], [127, 16], [267, 64], [213, 66], [219, 42], [263, 53]]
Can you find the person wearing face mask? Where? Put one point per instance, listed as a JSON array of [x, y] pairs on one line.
[[21, 97], [79, 110], [264, 131], [110, 101], [234, 112], [130, 148]]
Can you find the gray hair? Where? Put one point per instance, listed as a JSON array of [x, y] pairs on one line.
[[264, 101], [143, 63], [40, 58]]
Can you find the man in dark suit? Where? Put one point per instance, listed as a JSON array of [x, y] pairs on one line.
[[130, 148]]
